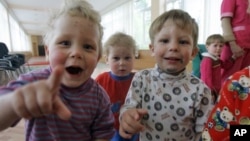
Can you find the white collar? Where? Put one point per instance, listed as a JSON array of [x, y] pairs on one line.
[[210, 56]]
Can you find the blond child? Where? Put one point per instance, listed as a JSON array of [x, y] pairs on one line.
[[119, 51], [63, 102], [165, 102]]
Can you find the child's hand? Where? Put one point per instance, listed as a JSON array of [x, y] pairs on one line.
[[130, 122], [41, 98]]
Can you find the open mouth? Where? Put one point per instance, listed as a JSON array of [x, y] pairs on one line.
[[172, 59], [74, 70]]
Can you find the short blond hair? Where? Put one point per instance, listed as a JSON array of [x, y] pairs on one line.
[[79, 8], [119, 39], [181, 18], [215, 37]]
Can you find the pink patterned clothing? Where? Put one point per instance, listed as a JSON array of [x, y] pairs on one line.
[[236, 9], [233, 107]]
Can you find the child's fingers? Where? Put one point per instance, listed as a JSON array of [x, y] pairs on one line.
[[54, 82], [124, 133], [140, 113], [19, 105], [130, 122], [54, 79], [60, 109], [30, 100]]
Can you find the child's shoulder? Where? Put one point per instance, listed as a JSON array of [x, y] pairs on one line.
[[196, 80], [36, 74], [103, 75]]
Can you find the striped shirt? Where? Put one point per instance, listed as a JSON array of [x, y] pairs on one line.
[[90, 107]]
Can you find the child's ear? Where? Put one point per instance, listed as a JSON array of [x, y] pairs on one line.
[[151, 47], [106, 59], [46, 48], [195, 51]]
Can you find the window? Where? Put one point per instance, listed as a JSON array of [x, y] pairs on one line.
[[11, 33], [133, 18], [4, 26], [206, 13], [141, 22]]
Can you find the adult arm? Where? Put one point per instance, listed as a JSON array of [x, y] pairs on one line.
[[229, 37]]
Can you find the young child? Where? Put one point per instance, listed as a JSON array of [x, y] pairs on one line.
[[63, 102], [119, 51], [232, 107], [211, 64], [235, 23], [165, 102]]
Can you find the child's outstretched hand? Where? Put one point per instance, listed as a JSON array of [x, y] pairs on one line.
[[130, 122], [41, 98]]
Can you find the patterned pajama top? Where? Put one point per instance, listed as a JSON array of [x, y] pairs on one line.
[[178, 106]]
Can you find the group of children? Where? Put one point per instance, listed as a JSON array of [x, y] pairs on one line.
[[63, 102]]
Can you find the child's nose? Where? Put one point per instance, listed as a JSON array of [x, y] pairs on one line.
[[76, 53], [121, 61], [173, 46]]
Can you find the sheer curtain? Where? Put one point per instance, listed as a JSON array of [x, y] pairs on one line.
[[118, 19], [205, 12], [11, 33], [4, 26], [132, 17]]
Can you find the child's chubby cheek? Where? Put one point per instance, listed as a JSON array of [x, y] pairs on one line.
[[57, 59]]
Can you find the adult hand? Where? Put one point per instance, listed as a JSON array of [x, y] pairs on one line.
[[41, 98], [237, 51]]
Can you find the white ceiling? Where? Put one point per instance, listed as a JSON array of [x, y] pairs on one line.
[[33, 14]]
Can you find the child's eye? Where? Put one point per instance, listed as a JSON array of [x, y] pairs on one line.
[[183, 42], [65, 43], [164, 40], [127, 58], [88, 47], [116, 58]]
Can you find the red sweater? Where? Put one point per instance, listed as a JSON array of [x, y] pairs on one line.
[[117, 88], [211, 71]]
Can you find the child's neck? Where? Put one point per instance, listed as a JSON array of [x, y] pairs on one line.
[[119, 77]]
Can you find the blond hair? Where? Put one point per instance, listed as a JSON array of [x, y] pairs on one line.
[[181, 18], [215, 37], [119, 39], [79, 8]]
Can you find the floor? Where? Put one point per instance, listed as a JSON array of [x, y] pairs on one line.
[[14, 134], [17, 133]]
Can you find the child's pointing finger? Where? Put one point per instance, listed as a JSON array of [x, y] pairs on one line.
[[54, 82], [54, 79]]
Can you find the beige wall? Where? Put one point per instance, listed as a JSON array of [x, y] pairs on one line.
[[146, 60], [157, 8], [36, 41]]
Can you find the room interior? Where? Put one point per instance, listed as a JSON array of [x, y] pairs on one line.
[[33, 13]]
